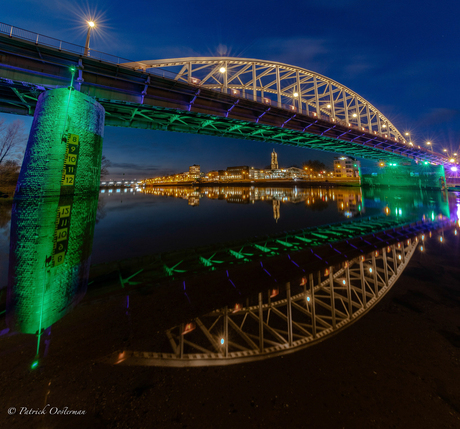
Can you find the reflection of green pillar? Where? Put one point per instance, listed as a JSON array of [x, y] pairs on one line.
[[50, 252], [63, 154]]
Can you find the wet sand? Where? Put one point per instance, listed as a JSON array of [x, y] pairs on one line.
[[397, 367]]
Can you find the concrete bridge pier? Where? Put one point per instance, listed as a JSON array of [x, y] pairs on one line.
[[421, 176], [63, 154], [54, 210]]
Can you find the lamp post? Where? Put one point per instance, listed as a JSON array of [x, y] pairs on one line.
[[408, 136], [91, 25], [223, 70], [430, 146]]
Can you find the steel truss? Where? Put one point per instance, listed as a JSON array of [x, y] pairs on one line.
[[278, 84], [316, 135], [256, 100], [286, 319]]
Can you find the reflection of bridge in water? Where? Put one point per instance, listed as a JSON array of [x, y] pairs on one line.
[[319, 281], [291, 315], [401, 208]]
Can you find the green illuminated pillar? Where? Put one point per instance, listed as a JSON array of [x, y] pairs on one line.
[[50, 255], [63, 154], [54, 210]]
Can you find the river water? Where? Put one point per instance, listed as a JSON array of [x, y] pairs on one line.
[[137, 222]]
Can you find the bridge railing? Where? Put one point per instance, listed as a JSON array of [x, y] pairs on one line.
[[40, 39]]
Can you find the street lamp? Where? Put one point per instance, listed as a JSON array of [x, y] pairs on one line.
[[91, 25], [430, 145]]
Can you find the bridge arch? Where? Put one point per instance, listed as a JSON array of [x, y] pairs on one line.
[[277, 84]]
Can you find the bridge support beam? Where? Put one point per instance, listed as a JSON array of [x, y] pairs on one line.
[[63, 154]]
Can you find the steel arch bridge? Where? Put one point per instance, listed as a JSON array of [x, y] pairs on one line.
[[282, 85], [248, 99]]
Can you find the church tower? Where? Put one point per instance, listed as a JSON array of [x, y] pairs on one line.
[[274, 165]]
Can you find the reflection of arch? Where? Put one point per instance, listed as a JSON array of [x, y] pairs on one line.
[[285, 321], [277, 84]]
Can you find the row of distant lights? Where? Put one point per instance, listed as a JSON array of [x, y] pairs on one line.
[[430, 144]]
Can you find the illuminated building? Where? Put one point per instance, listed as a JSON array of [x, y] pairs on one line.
[[256, 174], [212, 176], [346, 167], [194, 171], [237, 173]]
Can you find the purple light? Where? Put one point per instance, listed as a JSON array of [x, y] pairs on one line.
[[454, 168]]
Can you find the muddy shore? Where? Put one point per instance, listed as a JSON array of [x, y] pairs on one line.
[[397, 367]]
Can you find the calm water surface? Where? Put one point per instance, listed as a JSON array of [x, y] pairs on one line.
[[137, 222]]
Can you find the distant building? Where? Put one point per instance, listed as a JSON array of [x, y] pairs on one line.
[[345, 166], [212, 176], [274, 163], [255, 173], [194, 171], [296, 173], [237, 173]]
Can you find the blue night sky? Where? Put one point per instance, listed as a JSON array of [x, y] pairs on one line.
[[402, 56]]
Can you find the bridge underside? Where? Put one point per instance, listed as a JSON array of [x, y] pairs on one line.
[[138, 99], [165, 119]]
